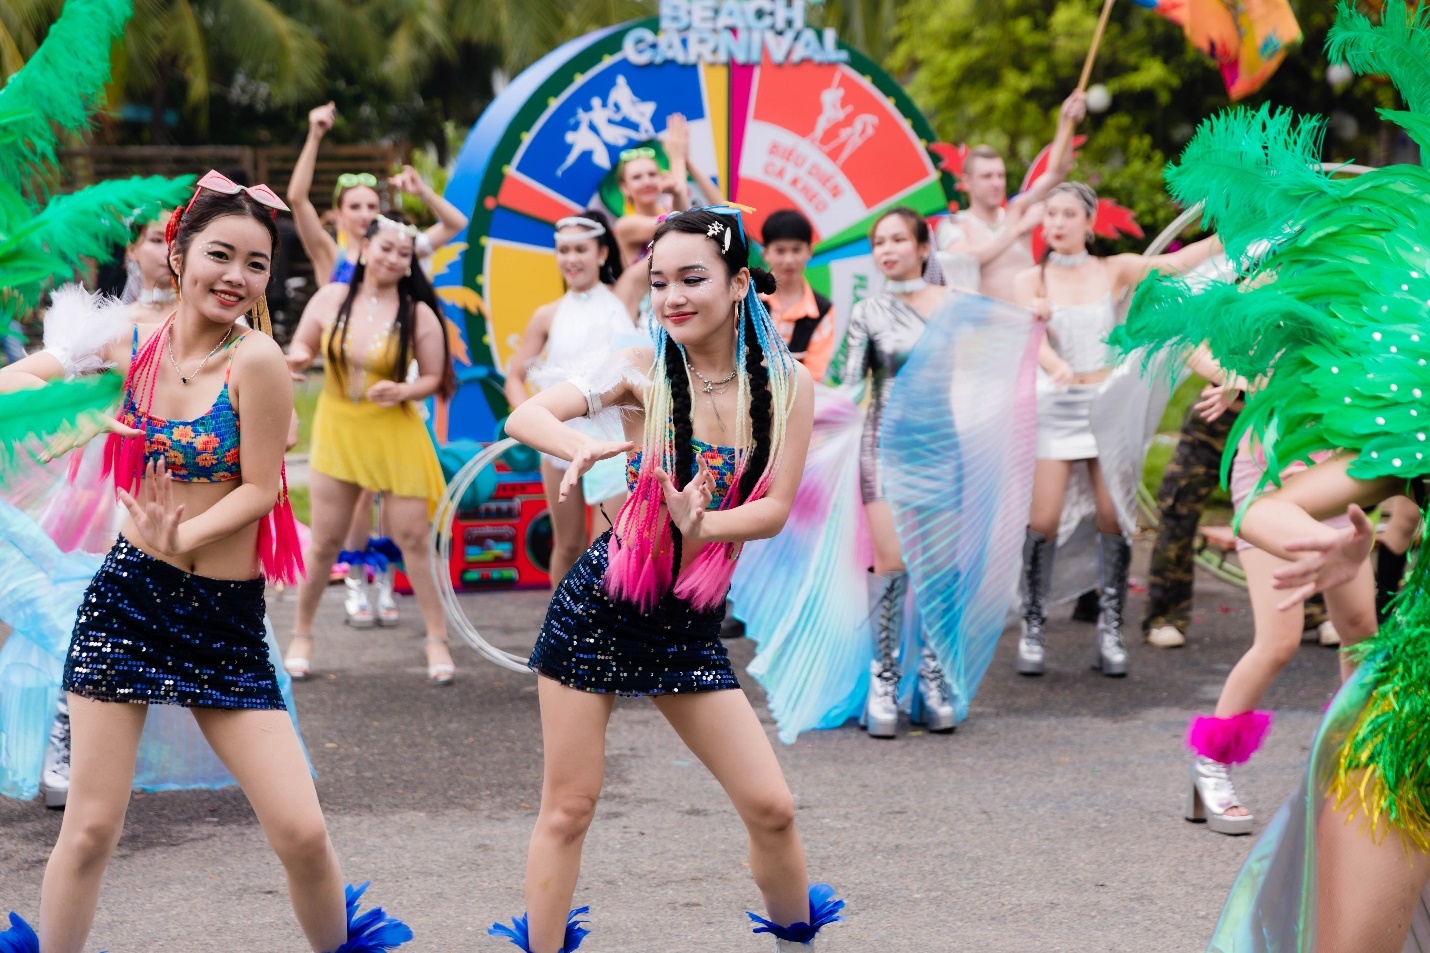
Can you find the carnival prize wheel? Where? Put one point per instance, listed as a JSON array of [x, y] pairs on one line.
[[840, 142]]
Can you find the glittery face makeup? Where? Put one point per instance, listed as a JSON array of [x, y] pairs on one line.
[[690, 289], [226, 269]]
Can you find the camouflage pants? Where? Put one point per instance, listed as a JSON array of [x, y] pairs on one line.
[[1189, 479]]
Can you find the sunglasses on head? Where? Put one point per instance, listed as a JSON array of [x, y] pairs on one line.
[[644, 152], [215, 181], [350, 180]]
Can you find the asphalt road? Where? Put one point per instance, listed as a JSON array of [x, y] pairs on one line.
[[1051, 820]]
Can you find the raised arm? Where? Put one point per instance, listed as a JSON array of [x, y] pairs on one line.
[[677, 147], [708, 189], [321, 248], [533, 339], [1129, 270], [450, 220], [1060, 155], [1023, 219]]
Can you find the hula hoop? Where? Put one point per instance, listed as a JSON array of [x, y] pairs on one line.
[[441, 540]]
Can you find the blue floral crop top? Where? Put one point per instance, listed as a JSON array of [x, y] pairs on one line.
[[720, 460], [201, 450]]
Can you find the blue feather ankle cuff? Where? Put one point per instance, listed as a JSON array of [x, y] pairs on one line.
[[519, 932], [824, 909], [371, 932], [19, 938]]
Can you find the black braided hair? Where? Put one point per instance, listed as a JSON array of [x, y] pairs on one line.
[[761, 411], [735, 257], [683, 422]]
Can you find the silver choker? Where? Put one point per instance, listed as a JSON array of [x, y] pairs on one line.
[[905, 287], [1059, 260]]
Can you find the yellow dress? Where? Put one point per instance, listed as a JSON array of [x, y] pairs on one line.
[[387, 449]]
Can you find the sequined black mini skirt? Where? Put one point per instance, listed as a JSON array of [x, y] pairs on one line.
[[595, 643], [149, 632]]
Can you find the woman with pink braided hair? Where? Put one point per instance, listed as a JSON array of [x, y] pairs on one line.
[[716, 429]]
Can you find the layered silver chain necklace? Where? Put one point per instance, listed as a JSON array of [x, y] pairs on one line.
[[714, 388]]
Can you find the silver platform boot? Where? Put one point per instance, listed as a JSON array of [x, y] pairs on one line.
[[1038, 553], [55, 770], [881, 708], [933, 706], [1212, 795], [384, 584], [1114, 558], [357, 605]]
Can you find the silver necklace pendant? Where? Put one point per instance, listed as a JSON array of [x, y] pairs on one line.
[[174, 361]]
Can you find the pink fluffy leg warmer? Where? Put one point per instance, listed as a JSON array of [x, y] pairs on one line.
[[1229, 740]]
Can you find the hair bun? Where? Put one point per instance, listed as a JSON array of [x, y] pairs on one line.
[[764, 281]]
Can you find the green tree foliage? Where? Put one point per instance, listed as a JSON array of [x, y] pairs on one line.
[[995, 71]]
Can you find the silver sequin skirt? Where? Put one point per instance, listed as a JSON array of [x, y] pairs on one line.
[[1065, 422], [595, 643], [151, 633]]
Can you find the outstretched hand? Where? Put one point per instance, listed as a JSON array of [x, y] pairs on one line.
[[155, 514], [587, 457], [82, 432], [1328, 561], [687, 505]]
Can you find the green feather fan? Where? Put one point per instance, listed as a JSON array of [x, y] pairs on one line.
[[1398, 46], [61, 85], [57, 89], [1331, 303], [90, 223], [30, 419]]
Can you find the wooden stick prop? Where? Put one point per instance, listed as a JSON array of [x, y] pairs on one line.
[[1056, 158], [1096, 42]]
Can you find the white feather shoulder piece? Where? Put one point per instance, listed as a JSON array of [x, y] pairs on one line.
[[595, 378], [79, 326]]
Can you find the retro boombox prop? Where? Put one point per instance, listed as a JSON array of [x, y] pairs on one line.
[[504, 542], [501, 533]]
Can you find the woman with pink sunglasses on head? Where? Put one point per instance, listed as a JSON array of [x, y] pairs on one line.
[[175, 614]]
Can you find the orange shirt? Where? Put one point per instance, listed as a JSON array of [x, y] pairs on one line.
[[821, 343]]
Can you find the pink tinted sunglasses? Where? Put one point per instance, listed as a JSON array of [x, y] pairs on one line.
[[215, 181]]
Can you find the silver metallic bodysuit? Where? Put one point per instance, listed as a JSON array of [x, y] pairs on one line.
[[882, 332]]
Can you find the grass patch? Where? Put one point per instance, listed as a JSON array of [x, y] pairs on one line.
[[302, 503], [305, 402]]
